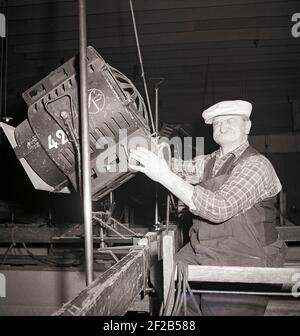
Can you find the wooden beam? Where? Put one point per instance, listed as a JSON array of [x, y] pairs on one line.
[[144, 4], [283, 307], [29, 233], [113, 5], [243, 68], [225, 46], [129, 54], [289, 233], [166, 38], [155, 11], [237, 274], [112, 292], [100, 29]]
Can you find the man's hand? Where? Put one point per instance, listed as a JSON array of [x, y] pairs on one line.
[[151, 164], [158, 170]]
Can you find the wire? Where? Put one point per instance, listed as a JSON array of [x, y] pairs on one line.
[[184, 297], [179, 295], [183, 288], [46, 260], [141, 64], [6, 253], [13, 244], [164, 309]]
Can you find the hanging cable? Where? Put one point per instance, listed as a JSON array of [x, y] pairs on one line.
[[182, 289], [12, 245], [142, 67], [183, 275]]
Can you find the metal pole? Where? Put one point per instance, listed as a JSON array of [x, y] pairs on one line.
[[85, 145], [156, 221]]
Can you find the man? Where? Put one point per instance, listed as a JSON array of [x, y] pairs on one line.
[[231, 194]]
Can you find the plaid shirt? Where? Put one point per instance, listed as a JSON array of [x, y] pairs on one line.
[[250, 182]]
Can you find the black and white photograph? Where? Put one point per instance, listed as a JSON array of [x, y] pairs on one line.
[[149, 161]]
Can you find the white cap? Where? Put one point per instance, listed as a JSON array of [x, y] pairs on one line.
[[227, 107]]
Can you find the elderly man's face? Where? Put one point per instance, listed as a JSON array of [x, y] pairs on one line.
[[229, 129]]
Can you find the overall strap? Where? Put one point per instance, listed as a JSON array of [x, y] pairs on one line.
[[208, 169], [232, 162]]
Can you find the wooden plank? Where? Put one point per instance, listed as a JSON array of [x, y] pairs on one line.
[[283, 307], [29, 233], [70, 32], [129, 54], [113, 5], [144, 4], [112, 292], [225, 46], [289, 233], [166, 38], [44, 234], [283, 66], [293, 255], [153, 11], [265, 88], [194, 71], [239, 274], [175, 61]]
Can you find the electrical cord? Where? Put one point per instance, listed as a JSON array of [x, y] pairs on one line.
[[13, 244], [46, 260], [179, 291], [6, 253], [183, 288], [163, 309]]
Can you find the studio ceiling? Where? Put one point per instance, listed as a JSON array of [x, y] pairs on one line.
[[206, 51]]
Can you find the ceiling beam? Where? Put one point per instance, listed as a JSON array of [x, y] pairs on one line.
[[99, 29], [165, 39], [112, 5], [147, 12]]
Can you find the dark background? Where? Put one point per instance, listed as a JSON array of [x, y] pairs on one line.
[[206, 51]]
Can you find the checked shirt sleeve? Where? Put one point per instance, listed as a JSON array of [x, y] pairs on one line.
[[250, 182]]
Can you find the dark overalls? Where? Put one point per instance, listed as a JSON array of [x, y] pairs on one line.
[[247, 239]]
